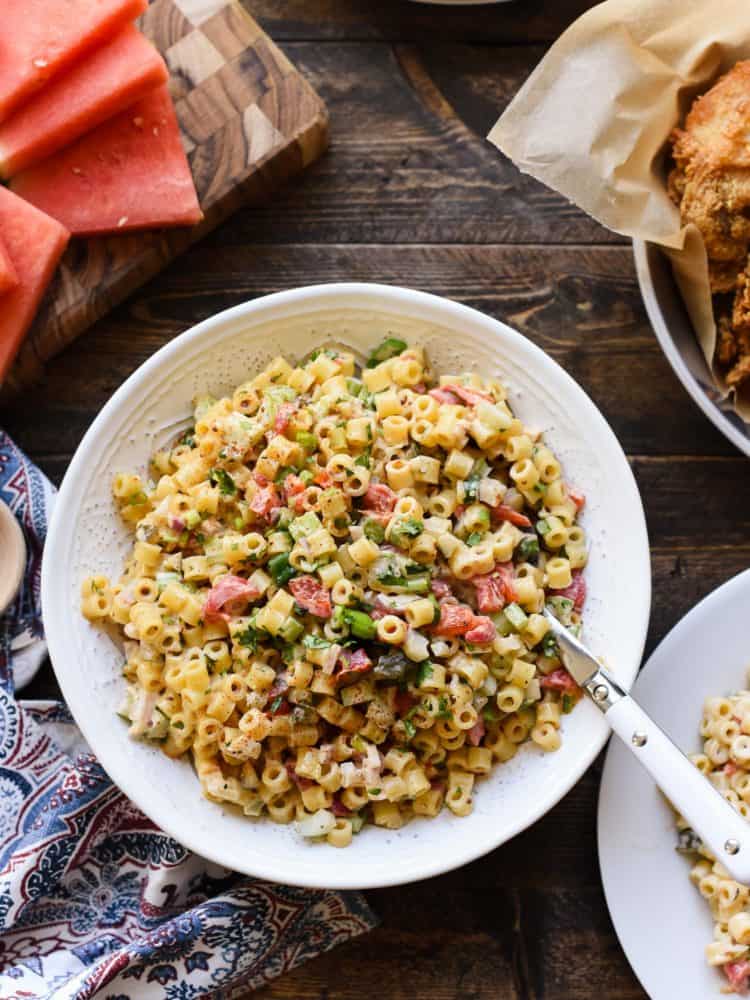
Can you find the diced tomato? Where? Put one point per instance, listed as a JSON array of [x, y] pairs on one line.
[[311, 595], [322, 478], [298, 779], [560, 680], [576, 591], [419, 388], [227, 598], [476, 733], [578, 498], [283, 416], [293, 485], [469, 396], [459, 511], [495, 590], [403, 703], [440, 589], [357, 662], [505, 513], [338, 808], [455, 619], [260, 479], [379, 498], [279, 686], [266, 500], [482, 631], [443, 396], [730, 768], [738, 974]]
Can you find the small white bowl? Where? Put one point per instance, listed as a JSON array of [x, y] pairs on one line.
[[676, 335], [86, 536]]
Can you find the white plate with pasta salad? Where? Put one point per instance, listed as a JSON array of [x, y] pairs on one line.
[[683, 923], [302, 552]]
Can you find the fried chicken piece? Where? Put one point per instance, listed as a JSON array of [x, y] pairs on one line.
[[740, 331], [726, 345], [711, 178]]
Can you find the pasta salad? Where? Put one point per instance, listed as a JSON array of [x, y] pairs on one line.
[[725, 760], [333, 602]]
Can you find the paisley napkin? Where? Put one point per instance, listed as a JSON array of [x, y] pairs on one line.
[[95, 900]]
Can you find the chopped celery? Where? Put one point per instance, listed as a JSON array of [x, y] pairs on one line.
[[561, 608], [527, 548], [360, 624], [302, 527], [280, 569], [306, 440], [516, 616], [390, 348]]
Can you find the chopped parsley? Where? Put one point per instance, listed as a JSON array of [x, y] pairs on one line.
[[248, 638], [549, 645], [474, 539], [373, 530], [410, 729], [316, 642], [444, 711], [424, 671], [222, 479]]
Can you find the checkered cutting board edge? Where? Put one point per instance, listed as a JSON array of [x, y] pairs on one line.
[[249, 121]]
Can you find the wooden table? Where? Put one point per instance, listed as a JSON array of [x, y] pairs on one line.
[[411, 193]]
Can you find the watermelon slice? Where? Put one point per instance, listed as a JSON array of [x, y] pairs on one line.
[[8, 276], [129, 173], [35, 244], [39, 38], [97, 87]]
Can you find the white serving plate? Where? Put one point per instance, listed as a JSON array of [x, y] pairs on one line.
[[661, 920], [154, 403]]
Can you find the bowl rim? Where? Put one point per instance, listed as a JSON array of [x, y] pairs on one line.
[[410, 302], [664, 336]]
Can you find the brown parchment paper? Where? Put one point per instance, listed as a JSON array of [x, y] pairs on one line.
[[593, 119]]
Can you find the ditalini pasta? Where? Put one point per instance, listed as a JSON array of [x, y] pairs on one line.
[[725, 728], [333, 602]]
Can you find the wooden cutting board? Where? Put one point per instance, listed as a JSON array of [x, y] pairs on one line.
[[249, 122]]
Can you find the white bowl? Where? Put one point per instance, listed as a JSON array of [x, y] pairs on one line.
[[154, 403]]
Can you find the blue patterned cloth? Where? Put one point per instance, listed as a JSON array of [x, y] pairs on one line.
[[94, 900]]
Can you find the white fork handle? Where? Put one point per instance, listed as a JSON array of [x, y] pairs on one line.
[[715, 821]]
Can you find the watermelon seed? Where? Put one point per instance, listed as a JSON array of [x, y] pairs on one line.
[[121, 222]]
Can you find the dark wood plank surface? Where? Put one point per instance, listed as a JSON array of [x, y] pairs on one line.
[[410, 193]]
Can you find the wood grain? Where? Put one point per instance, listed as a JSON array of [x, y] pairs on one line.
[[399, 20], [249, 121], [407, 168], [411, 194]]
